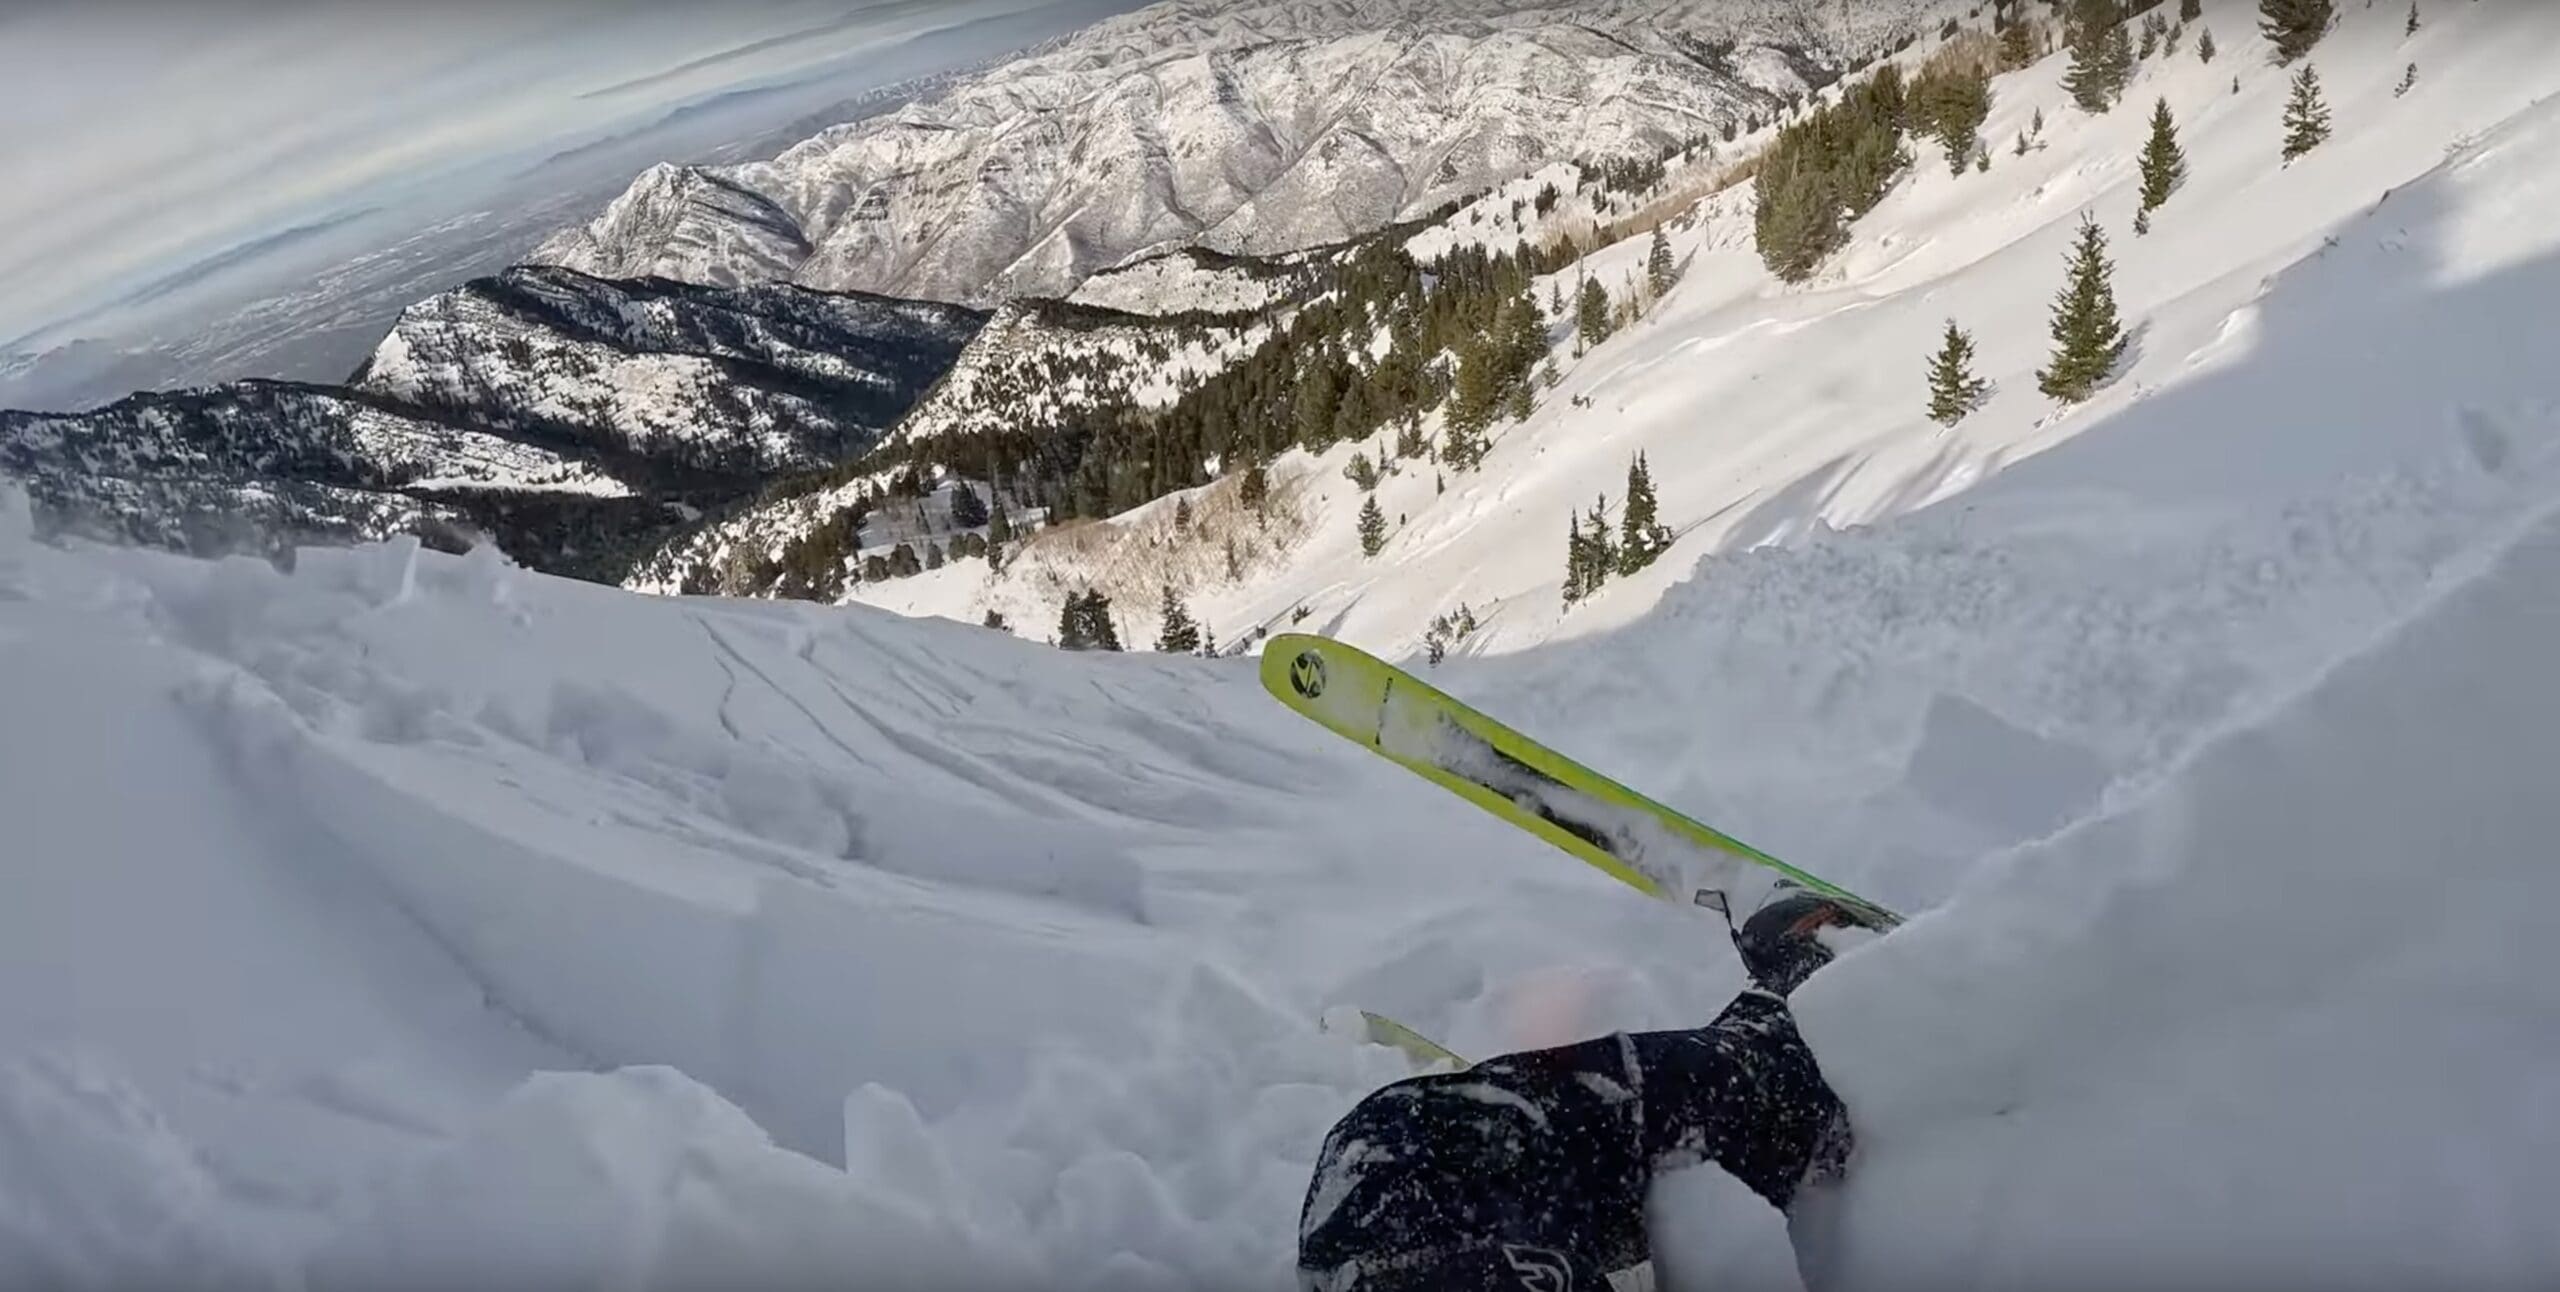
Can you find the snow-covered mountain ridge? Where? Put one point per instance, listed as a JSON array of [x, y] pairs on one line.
[[1764, 409], [1253, 127], [551, 409]]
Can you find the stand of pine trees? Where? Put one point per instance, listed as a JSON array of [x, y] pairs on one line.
[[1950, 104], [2292, 27], [1590, 556], [2101, 54], [2088, 341], [1823, 172]]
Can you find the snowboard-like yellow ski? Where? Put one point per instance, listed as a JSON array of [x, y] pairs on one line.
[[1629, 837]]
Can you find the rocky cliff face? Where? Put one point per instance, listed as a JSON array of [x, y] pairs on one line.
[[576, 420]]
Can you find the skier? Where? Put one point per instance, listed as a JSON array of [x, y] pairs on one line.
[[1529, 1171]]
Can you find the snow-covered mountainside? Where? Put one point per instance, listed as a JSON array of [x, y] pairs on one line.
[[1252, 127], [1766, 411], [553, 410], [743, 381], [255, 464], [481, 927], [487, 927], [1038, 367]]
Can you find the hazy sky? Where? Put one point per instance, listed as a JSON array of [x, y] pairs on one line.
[[149, 141]]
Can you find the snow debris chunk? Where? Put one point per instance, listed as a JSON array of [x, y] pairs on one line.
[[644, 1179], [96, 1190]]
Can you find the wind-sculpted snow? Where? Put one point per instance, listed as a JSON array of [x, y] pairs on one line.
[[1259, 127]]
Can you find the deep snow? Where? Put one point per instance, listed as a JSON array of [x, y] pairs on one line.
[[412, 915]]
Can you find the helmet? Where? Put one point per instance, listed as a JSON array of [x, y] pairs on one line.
[[1780, 943]]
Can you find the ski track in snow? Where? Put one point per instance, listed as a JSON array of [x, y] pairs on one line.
[[410, 913]]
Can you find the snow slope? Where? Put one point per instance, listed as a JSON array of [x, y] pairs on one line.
[[487, 925], [419, 916]]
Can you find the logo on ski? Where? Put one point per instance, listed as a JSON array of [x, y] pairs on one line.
[[1306, 674], [1540, 1270]]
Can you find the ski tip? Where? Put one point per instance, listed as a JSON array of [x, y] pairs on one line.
[[1298, 667]]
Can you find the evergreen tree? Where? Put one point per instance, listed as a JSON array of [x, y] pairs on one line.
[[999, 525], [1798, 217], [1255, 488], [968, 510], [1179, 635], [1953, 389], [1592, 312], [1361, 471], [1097, 624], [1182, 515], [1952, 106], [1641, 537], [2017, 45], [2408, 82], [1319, 398], [2190, 10], [2306, 118], [2204, 45], [1235, 567], [1373, 527], [1409, 441], [1071, 624], [2163, 162], [995, 620], [1603, 558], [2292, 27], [1474, 400], [1577, 563], [2412, 28], [1658, 268], [2152, 31], [2088, 341], [1208, 643], [2101, 54]]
